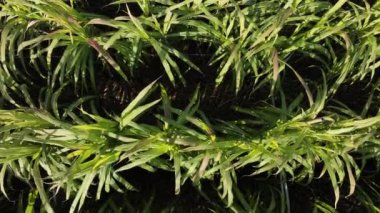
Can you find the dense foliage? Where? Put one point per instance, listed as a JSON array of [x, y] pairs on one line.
[[215, 92]]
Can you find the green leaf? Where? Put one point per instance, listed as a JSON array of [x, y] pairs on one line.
[[143, 94], [40, 187], [127, 118]]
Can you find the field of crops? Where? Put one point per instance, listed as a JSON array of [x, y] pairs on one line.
[[189, 106]]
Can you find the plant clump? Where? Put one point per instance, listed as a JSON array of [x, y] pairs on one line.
[[249, 106]]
